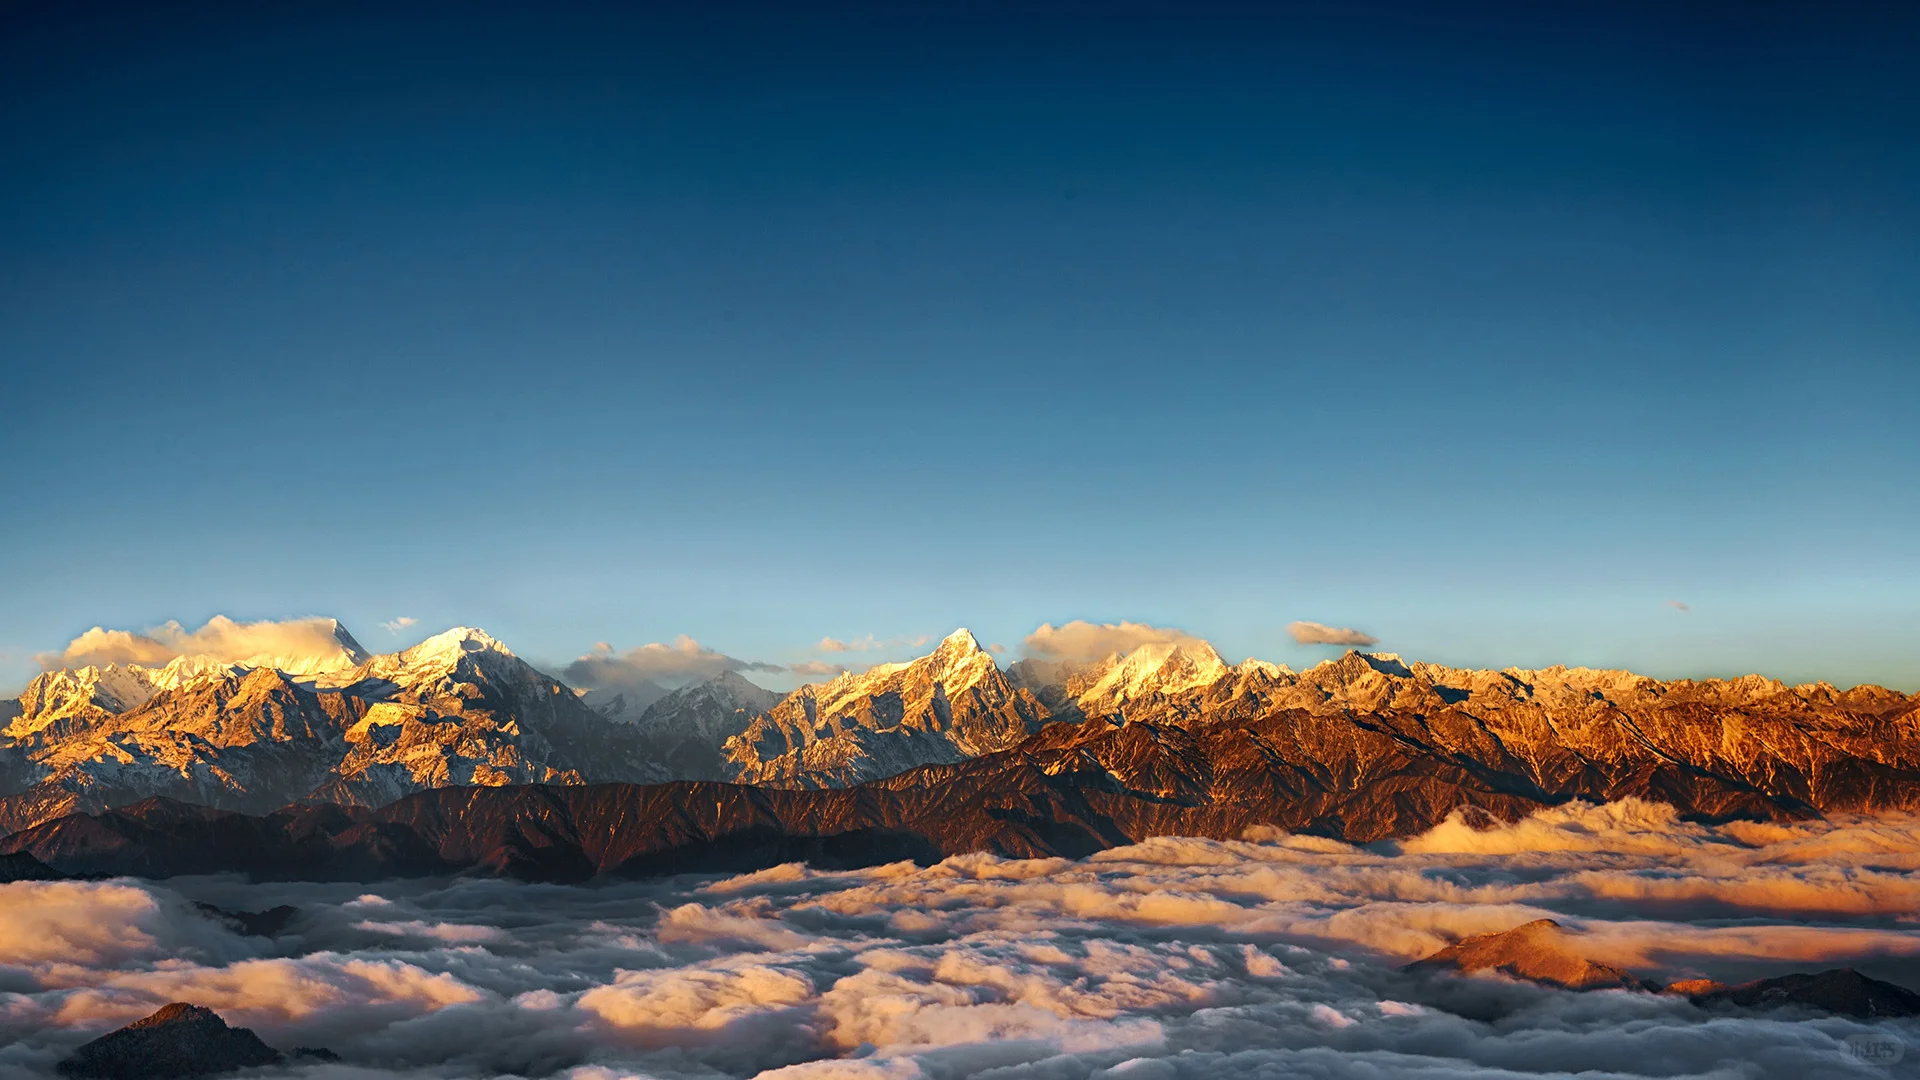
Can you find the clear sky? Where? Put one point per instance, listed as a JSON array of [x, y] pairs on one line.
[[1488, 330]]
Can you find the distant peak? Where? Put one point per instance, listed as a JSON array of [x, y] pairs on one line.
[[452, 643], [354, 650], [962, 640], [468, 636]]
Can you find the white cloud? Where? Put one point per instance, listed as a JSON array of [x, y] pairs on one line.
[[817, 668], [1313, 633], [396, 625], [310, 644], [1679, 605], [1082, 640], [685, 660]]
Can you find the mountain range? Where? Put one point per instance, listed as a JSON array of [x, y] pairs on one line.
[[947, 750]]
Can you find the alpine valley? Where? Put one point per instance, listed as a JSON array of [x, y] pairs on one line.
[[456, 754]]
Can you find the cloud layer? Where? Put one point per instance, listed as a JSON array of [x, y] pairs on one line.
[[1313, 633], [300, 644], [869, 643], [686, 660], [1084, 641], [1276, 955]]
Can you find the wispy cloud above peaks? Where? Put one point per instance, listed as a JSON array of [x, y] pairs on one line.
[[817, 668], [294, 643], [1313, 633], [870, 643], [1679, 605], [1082, 640], [394, 626], [685, 660]]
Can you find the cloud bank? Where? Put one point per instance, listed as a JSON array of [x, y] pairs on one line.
[[685, 660], [309, 644], [1084, 641], [1274, 955], [1313, 633]]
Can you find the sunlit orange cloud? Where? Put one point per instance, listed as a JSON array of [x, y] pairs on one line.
[[1645, 945], [1835, 892], [664, 1007], [266, 991], [86, 924], [297, 644]]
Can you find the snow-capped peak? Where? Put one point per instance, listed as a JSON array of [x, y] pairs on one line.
[[451, 644], [960, 640], [1163, 667], [729, 690]]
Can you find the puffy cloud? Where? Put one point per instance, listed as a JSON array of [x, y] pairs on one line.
[[394, 626], [817, 668], [1082, 640], [1313, 633], [300, 645], [452, 933], [102, 646], [91, 923], [685, 660], [277, 990], [1679, 605]]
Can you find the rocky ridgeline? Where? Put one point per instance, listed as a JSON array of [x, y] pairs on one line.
[[1165, 737]]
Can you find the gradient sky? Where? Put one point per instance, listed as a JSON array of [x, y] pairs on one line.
[[1489, 330]]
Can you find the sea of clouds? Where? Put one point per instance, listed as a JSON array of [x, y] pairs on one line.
[[1272, 956]]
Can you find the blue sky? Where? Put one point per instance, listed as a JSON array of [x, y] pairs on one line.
[[1488, 331]]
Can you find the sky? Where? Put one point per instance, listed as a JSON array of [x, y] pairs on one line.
[[1506, 335]]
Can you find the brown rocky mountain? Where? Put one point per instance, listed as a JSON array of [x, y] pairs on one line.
[[1069, 789], [1540, 951], [952, 704], [1167, 737]]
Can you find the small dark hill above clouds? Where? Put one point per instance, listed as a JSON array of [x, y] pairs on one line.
[[1540, 951], [1843, 991], [21, 866], [180, 1040]]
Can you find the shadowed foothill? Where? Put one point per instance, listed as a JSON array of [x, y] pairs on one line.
[[181, 1040]]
